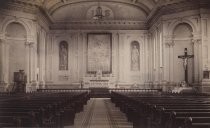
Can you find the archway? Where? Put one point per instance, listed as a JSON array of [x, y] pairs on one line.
[[182, 35], [15, 49]]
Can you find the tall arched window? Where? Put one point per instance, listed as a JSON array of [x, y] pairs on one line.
[[63, 55], [135, 56]]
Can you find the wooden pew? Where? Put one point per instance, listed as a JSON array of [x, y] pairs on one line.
[[150, 110], [40, 109]]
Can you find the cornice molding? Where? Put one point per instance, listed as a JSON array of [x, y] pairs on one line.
[[95, 25]]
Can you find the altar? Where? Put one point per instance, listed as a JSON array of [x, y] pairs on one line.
[[99, 81]]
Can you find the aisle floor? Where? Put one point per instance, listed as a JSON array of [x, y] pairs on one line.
[[101, 113]]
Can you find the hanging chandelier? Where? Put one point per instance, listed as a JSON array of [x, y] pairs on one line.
[[98, 13]]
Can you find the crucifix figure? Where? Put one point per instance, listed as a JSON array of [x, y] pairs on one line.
[[185, 58]]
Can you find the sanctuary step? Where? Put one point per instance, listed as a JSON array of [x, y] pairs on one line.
[[99, 92], [100, 113]]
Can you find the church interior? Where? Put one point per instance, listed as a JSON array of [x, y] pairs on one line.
[[105, 63]]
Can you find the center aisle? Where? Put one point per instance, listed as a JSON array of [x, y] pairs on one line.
[[101, 113]]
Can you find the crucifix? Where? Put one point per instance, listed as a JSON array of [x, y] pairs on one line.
[[185, 58]]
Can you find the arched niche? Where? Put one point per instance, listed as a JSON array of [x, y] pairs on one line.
[[182, 37], [16, 30], [183, 30], [15, 49], [135, 56], [63, 55]]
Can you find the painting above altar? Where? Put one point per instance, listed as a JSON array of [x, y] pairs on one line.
[[99, 55]]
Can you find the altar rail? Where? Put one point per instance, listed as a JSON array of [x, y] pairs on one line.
[[103, 92], [63, 90], [134, 90], [110, 89]]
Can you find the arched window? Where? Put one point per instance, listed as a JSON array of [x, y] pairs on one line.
[[63, 55], [135, 56]]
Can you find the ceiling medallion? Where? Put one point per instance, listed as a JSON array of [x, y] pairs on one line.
[[98, 13]]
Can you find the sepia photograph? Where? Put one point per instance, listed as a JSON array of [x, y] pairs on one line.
[[104, 63]]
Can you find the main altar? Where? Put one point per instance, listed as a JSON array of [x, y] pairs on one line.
[[99, 80]]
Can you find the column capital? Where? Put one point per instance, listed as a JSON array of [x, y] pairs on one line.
[[169, 43], [29, 43], [196, 41]]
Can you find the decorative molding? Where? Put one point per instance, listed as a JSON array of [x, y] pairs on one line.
[[114, 25], [196, 41], [30, 44], [21, 6]]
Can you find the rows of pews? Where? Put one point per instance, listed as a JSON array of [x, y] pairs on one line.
[[155, 110], [41, 109]]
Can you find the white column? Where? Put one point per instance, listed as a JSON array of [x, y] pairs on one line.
[[80, 56], [114, 54], [6, 63], [150, 61], [171, 62], [52, 40], [42, 59], [32, 49], [30, 65], [1, 61], [200, 64], [85, 52], [196, 68], [28, 84], [121, 58], [146, 59], [166, 71]]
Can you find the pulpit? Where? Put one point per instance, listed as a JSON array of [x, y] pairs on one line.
[[19, 82]]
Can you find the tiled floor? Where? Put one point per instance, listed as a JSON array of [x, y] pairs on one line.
[[101, 113]]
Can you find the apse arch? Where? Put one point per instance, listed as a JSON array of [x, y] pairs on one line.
[[174, 25], [16, 30], [182, 38], [16, 51], [7, 22], [186, 28]]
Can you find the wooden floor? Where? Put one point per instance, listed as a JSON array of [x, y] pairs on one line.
[[100, 113]]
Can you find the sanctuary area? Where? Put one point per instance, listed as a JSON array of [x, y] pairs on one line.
[[105, 63]]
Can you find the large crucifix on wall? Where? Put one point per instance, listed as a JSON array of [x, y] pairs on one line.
[[185, 58]]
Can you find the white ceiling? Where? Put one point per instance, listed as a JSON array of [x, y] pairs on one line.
[[62, 10]]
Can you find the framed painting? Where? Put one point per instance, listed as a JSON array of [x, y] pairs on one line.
[[99, 53]]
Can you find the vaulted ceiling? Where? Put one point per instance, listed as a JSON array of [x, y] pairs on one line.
[[76, 9], [134, 12], [61, 10], [145, 5]]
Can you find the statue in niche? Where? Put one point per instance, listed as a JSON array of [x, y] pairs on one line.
[[135, 58], [63, 55]]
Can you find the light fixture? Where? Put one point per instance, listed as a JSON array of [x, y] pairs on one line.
[[98, 13]]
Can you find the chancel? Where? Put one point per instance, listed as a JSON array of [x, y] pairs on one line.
[[105, 63]]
